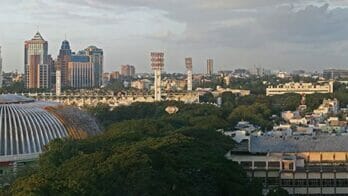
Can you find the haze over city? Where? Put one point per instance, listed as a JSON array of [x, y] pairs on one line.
[[283, 35]]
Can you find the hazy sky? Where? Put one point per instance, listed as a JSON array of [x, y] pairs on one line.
[[275, 34]]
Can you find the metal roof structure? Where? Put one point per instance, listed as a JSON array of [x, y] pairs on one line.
[[295, 144]]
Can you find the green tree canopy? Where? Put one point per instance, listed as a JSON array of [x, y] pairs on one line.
[[147, 153]]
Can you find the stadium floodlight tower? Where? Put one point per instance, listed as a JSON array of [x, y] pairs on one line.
[[188, 62], [157, 64]]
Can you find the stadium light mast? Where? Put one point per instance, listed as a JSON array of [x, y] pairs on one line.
[[157, 64]]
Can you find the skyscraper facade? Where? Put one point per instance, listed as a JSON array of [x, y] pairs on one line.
[[81, 74], [96, 57], [64, 57], [128, 70], [210, 64], [36, 62]]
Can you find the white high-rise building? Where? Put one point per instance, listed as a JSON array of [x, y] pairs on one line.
[[157, 64], [188, 62], [58, 82], [0, 69]]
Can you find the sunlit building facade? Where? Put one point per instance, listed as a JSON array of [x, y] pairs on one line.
[[35, 62]]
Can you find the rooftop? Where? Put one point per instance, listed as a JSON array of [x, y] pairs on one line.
[[292, 144], [38, 36]]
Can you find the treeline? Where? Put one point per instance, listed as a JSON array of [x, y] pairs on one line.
[[257, 109]]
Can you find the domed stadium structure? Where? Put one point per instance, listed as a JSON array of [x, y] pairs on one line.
[[27, 125]]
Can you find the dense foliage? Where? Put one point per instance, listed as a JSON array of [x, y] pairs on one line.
[[144, 151]]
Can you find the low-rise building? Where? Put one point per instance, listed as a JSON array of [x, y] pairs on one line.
[[141, 84], [300, 88], [302, 165], [328, 106], [241, 92]]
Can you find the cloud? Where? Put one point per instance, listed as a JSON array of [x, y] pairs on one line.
[[240, 32]]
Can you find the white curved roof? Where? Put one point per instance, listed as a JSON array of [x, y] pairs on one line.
[[25, 129]]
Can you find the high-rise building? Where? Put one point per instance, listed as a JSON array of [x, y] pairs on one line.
[[58, 82], [81, 75], [210, 63], [188, 62], [128, 70], [36, 65], [157, 64], [80, 72], [0, 69], [64, 57], [96, 57], [43, 74]]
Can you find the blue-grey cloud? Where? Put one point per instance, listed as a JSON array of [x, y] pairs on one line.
[[280, 34]]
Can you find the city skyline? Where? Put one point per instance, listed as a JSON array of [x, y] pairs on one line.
[[283, 35]]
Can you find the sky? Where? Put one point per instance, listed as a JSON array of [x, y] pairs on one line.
[[280, 35]]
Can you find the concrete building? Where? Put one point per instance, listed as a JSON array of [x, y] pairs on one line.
[[283, 75], [127, 70], [106, 78], [114, 75], [240, 92], [44, 76], [302, 165], [157, 64], [141, 84], [327, 107], [96, 57], [188, 63], [64, 57], [210, 68], [300, 88], [9, 78], [58, 82], [36, 62], [81, 75], [335, 73]]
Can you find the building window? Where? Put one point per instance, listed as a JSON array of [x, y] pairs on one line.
[[246, 164], [300, 182], [286, 182], [259, 164], [274, 164], [314, 182], [342, 182], [291, 166], [328, 182]]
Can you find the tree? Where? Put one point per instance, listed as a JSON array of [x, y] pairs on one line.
[[146, 153], [277, 192], [313, 101], [256, 113], [208, 97]]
